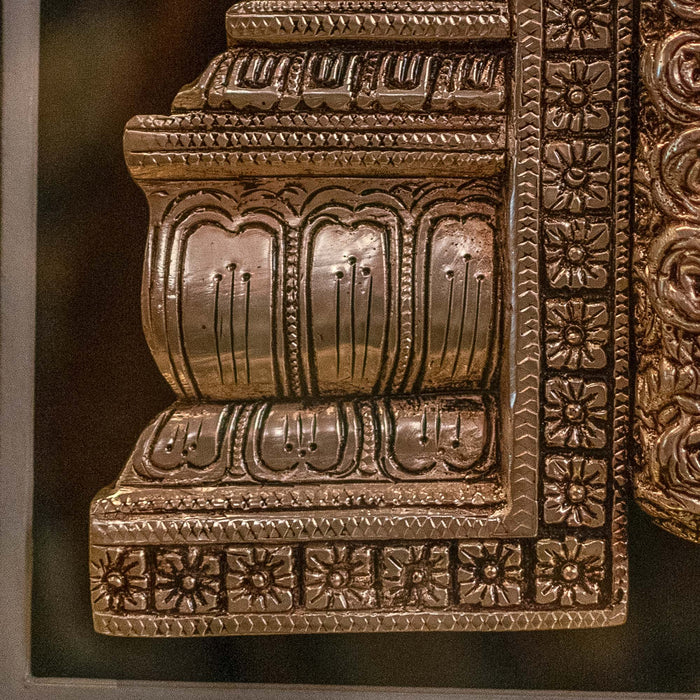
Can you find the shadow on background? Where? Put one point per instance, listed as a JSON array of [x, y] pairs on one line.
[[97, 387]]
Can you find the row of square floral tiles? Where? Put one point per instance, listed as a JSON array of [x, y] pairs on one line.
[[577, 199], [279, 578]]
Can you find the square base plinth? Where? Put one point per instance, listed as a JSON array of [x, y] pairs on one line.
[[183, 562]]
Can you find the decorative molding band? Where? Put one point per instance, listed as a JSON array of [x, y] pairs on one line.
[[221, 164], [286, 21], [443, 439], [473, 498], [340, 81], [280, 112]]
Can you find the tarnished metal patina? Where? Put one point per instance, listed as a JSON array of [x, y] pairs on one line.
[[387, 279]]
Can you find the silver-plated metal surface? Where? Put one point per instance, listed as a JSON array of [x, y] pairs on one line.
[[386, 282]]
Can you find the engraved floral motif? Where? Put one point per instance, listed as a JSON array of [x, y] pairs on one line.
[[576, 253], [187, 580], [576, 334], [671, 71], [575, 412], [119, 579], [574, 491], [578, 95], [260, 579], [646, 213], [338, 577], [578, 24], [416, 576], [674, 276], [576, 176], [569, 572], [679, 452], [490, 574]]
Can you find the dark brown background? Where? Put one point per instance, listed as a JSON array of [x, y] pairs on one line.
[[97, 387]]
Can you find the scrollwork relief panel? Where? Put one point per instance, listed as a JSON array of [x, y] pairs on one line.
[[667, 269], [299, 290]]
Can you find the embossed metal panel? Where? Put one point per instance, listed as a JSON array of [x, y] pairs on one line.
[[385, 279]]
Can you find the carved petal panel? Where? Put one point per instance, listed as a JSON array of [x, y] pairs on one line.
[[186, 443], [380, 440], [459, 319], [228, 310], [439, 439], [289, 442], [323, 291], [350, 304]]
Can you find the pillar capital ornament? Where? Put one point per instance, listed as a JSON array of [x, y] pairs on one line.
[[386, 277], [665, 273]]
